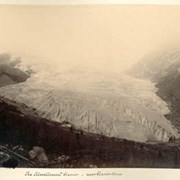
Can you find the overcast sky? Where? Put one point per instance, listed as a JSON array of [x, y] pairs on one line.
[[102, 36]]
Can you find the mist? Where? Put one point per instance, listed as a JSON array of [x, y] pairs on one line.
[[104, 37]]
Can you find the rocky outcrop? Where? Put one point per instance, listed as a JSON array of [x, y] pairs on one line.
[[10, 75]]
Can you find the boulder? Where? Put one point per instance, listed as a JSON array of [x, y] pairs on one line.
[[38, 154], [63, 159]]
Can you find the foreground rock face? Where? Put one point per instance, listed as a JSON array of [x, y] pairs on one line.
[[20, 125]]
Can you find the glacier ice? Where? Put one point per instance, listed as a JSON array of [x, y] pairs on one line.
[[114, 105]]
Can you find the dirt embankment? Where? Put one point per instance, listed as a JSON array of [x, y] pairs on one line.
[[20, 125]]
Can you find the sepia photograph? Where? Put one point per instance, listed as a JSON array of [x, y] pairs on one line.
[[90, 86]]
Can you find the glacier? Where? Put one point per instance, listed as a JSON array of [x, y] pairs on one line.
[[110, 104]]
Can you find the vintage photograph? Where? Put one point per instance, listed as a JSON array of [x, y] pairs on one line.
[[90, 86]]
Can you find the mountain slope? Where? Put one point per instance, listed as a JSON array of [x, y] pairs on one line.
[[155, 66], [164, 69], [169, 90]]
